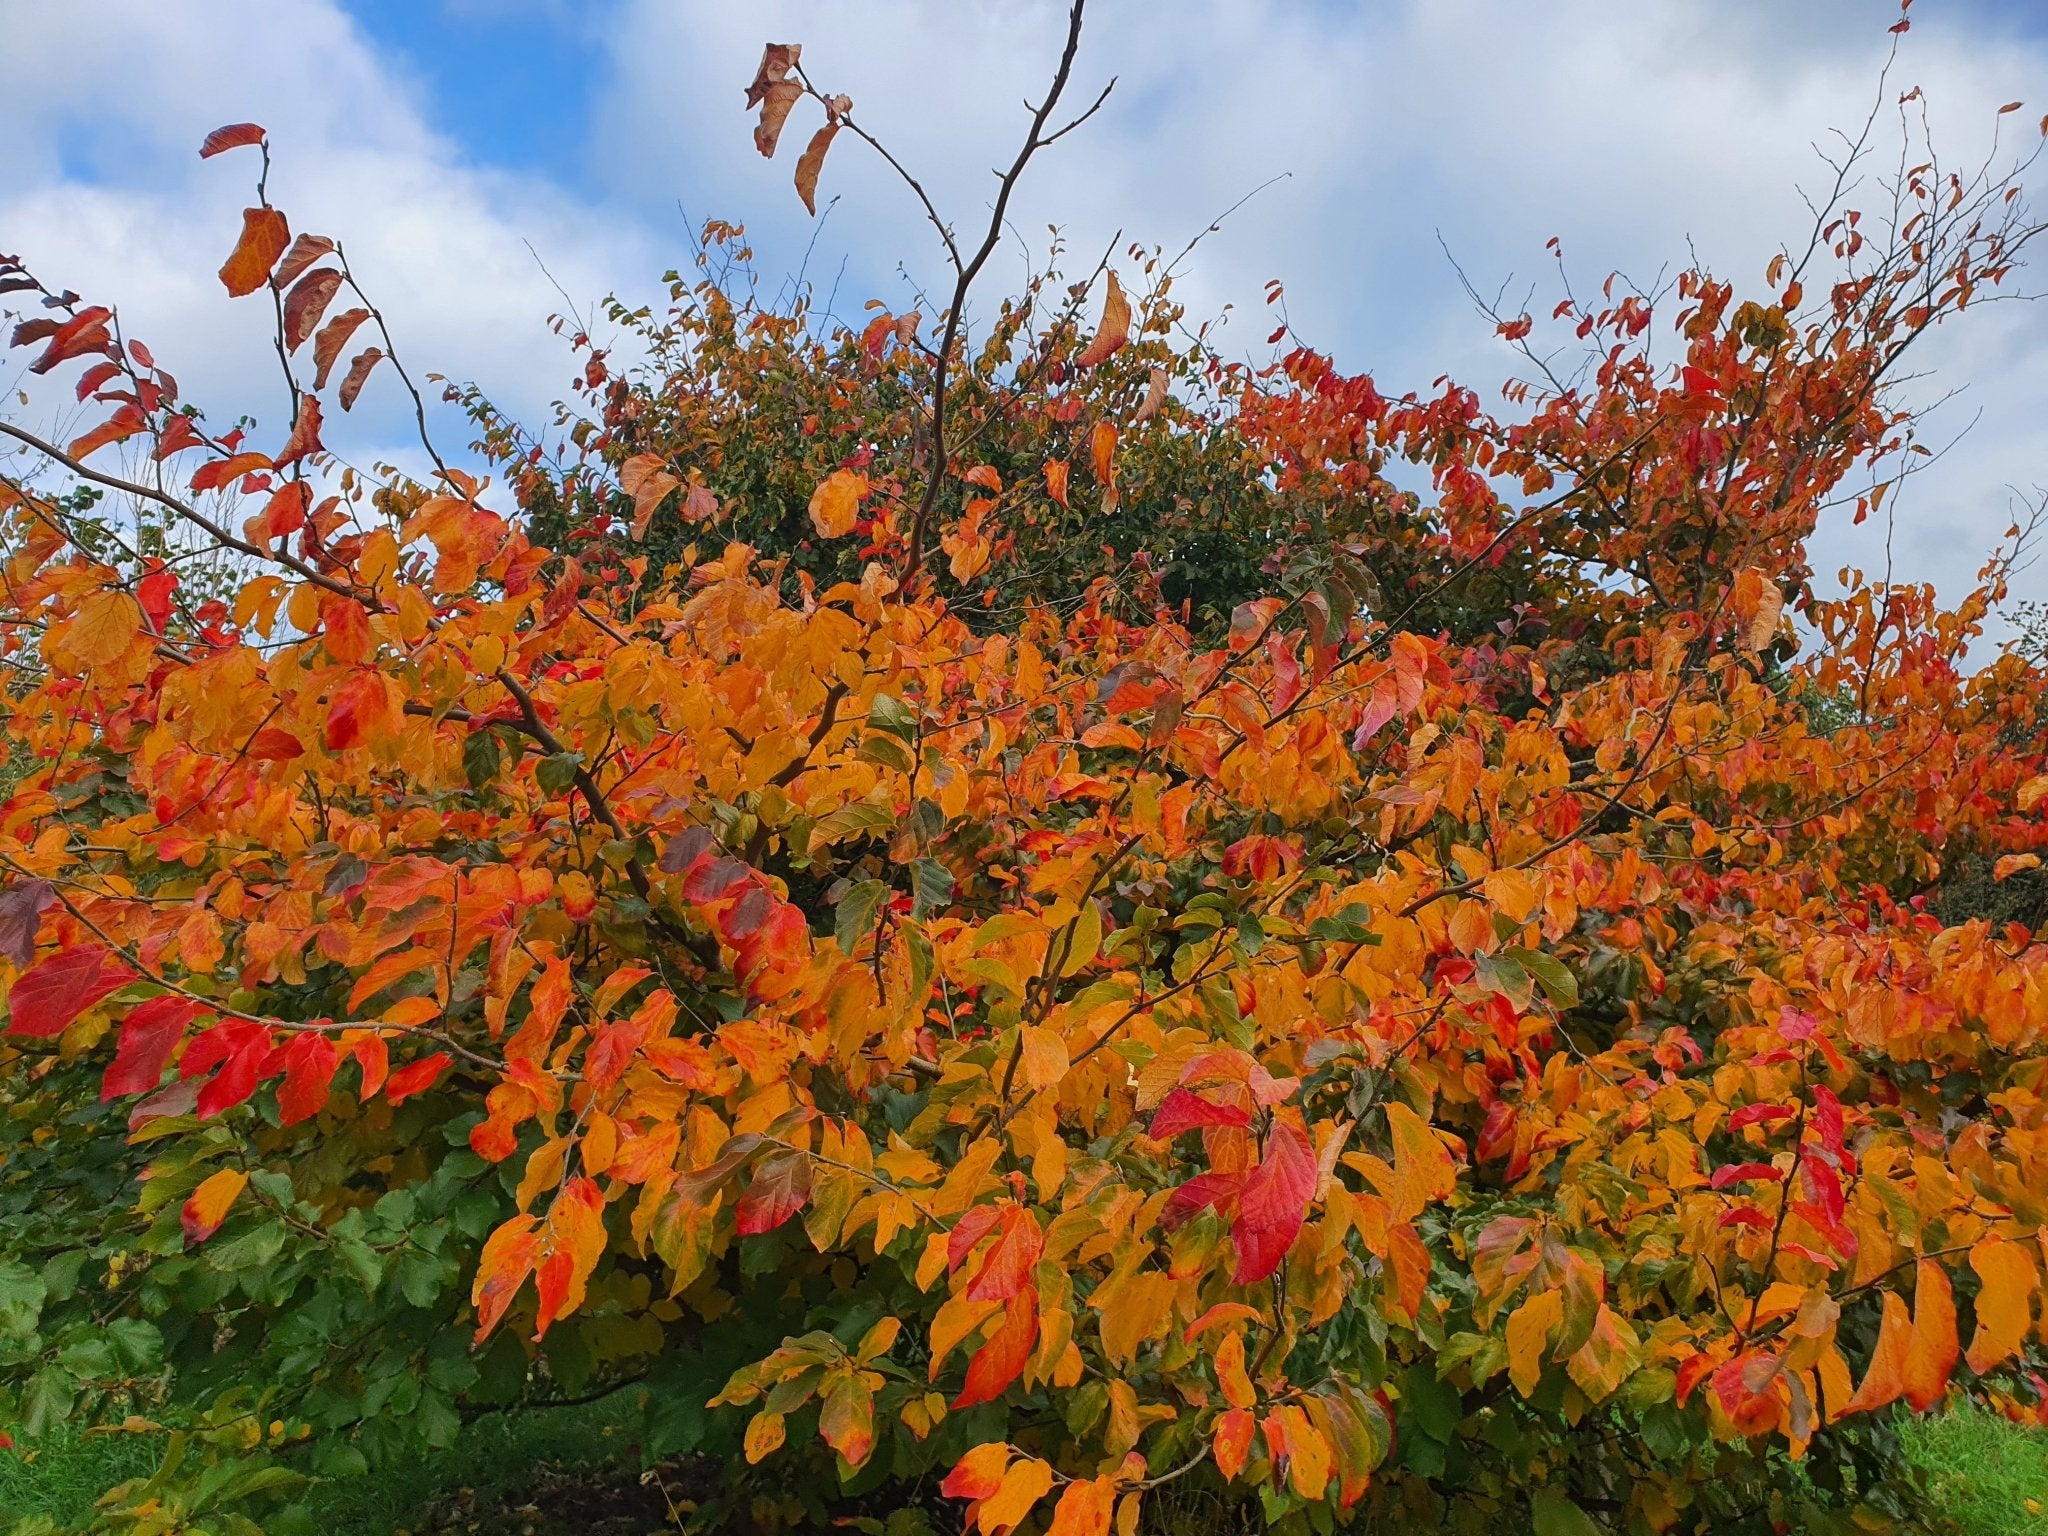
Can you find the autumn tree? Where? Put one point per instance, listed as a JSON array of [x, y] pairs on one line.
[[1334, 1059]]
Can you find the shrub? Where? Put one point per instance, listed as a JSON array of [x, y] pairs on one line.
[[1327, 1061]]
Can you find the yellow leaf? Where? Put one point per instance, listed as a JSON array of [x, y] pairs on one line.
[[764, 1434], [100, 632], [1423, 1170], [1045, 1056], [1023, 1486], [1528, 1336], [835, 504]]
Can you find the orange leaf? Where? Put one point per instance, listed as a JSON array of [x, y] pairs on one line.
[[979, 1473], [1114, 331], [305, 250], [1885, 1378], [1102, 447], [1231, 1441], [1931, 1355], [1056, 480], [208, 1206], [1231, 1379], [231, 137], [264, 236], [2005, 1298], [1084, 1508]]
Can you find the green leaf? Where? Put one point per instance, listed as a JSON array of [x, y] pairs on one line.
[[887, 751], [921, 959], [931, 886], [1550, 973], [21, 1299], [557, 771], [893, 716], [856, 913], [481, 758], [1552, 1513]]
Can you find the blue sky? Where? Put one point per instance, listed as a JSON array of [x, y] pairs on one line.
[[443, 138]]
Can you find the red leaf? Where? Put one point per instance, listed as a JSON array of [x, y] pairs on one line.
[[1741, 1173], [149, 1034], [123, 424], [84, 332], [239, 1049], [305, 434], [309, 1061], [1181, 1111], [231, 137], [47, 997], [1001, 1360], [779, 1189], [1273, 1204], [1007, 1268], [95, 376], [414, 1077], [154, 593], [212, 476], [1197, 1195], [1757, 1114]]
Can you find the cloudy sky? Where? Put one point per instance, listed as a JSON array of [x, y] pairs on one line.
[[457, 145]]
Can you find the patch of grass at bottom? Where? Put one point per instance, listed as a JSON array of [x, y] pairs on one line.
[[60, 1474], [1991, 1475]]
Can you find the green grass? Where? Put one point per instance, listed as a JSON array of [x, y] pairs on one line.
[[60, 1475], [1991, 1475]]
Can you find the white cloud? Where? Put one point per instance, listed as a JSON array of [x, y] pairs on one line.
[[1624, 129]]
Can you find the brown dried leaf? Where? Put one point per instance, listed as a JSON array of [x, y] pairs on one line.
[[777, 60], [264, 236], [647, 479], [1155, 397], [810, 163], [782, 95], [333, 337], [305, 250], [1114, 331], [306, 303], [358, 373]]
